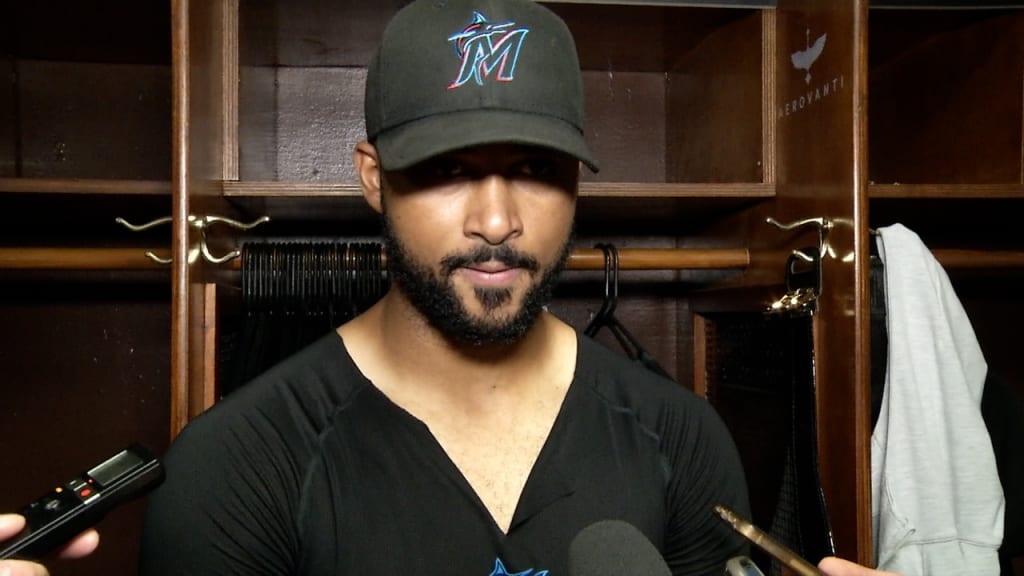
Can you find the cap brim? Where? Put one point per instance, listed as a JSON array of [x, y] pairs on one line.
[[414, 142]]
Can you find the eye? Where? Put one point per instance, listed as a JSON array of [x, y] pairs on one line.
[[538, 167], [446, 167], [437, 171]]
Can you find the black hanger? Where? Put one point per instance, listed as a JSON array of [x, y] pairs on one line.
[[605, 317], [599, 319]]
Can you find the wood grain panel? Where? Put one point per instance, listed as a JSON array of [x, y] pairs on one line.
[[181, 240], [112, 31], [295, 69], [713, 107], [207, 104], [312, 32], [625, 125], [94, 120], [636, 43], [257, 123], [639, 38], [84, 373], [817, 112], [204, 36], [8, 119], [300, 124], [86, 186], [947, 96], [821, 171], [939, 191], [319, 122]]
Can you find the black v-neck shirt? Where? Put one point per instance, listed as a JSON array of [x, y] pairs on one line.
[[311, 470]]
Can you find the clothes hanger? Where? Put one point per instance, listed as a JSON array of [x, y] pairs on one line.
[[605, 318], [599, 318]]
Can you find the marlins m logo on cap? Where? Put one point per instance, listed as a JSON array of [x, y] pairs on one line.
[[484, 48]]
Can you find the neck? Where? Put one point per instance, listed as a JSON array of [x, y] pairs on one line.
[[398, 350]]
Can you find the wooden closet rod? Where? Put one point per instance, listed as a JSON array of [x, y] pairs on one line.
[[651, 259], [78, 259], [580, 259], [662, 259]]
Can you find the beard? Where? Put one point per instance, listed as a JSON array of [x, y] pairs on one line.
[[434, 295]]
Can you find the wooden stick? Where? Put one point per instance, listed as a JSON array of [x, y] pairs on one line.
[[580, 259]]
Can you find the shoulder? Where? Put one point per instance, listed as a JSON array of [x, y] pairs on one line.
[[629, 385], [271, 427], [235, 475], [700, 458], [301, 392], [686, 427]]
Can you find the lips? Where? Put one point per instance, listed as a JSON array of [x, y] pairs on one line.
[[493, 274], [492, 267], [489, 259]]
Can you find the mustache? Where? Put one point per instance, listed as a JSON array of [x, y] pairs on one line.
[[504, 254]]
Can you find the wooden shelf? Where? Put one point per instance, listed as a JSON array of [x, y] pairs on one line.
[[630, 190], [646, 206], [85, 186], [675, 3], [940, 191], [980, 259], [249, 189]]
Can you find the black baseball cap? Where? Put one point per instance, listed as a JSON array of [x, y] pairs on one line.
[[451, 74]]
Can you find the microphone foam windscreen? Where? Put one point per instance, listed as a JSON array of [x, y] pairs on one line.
[[614, 547]]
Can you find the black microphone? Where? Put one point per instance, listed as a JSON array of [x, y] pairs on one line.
[[614, 548]]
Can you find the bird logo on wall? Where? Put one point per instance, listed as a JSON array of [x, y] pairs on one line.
[[803, 59]]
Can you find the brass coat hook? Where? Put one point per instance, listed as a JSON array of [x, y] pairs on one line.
[[823, 224], [201, 223], [233, 223], [141, 227], [147, 226], [803, 283]]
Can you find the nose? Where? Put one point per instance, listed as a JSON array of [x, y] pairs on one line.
[[493, 214]]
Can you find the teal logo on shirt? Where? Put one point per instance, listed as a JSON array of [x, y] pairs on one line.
[[499, 570]]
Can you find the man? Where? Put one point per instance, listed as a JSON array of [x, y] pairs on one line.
[[86, 543], [455, 427]]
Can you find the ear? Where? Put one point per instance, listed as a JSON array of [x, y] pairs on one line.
[[367, 164]]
